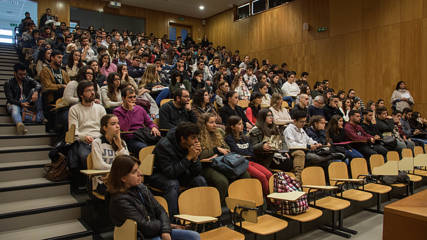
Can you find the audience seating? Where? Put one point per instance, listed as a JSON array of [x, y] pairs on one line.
[[310, 215], [166, 100], [338, 176], [127, 231], [204, 201], [314, 178], [406, 152], [243, 103], [91, 173], [250, 190]]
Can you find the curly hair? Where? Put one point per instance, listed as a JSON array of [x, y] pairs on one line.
[[209, 140]]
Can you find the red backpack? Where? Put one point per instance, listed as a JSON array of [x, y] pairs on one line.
[[284, 183]]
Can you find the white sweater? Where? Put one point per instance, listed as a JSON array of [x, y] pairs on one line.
[[290, 89], [86, 119], [103, 153], [70, 94], [297, 138], [107, 102]]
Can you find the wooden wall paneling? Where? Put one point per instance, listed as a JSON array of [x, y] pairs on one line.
[[424, 8], [381, 51], [60, 8], [421, 101], [345, 16], [410, 10], [354, 73], [315, 13], [377, 13], [410, 55]]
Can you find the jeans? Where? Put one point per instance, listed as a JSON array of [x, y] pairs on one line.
[[135, 145], [353, 153], [179, 234], [261, 173], [170, 189], [16, 113]]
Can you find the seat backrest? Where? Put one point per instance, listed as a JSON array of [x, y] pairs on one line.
[[376, 160], [313, 176], [200, 201], [285, 104], [418, 150], [393, 156], [247, 189], [162, 201], [407, 153], [337, 170], [358, 167], [127, 231], [147, 163], [145, 151], [89, 161], [163, 101]]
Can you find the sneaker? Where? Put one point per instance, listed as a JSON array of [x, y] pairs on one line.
[[20, 128]]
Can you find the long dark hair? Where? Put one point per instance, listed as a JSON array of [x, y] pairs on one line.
[[332, 128], [100, 64], [122, 166], [255, 109], [110, 85], [268, 130], [398, 85], [104, 123], [198, 97], [70, 62], [82, 76], [232, 121]]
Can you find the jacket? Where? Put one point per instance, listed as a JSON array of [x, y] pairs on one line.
[[139, 205], [356, 133], [226, 111], [317, 135], [48, 82], [170, 160], [386, 125], [241, 146], [330, 111], [170, 116], [13, 92]]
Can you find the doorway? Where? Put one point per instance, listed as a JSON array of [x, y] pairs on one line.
[[179, 30]]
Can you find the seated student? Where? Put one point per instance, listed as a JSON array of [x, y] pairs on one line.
[[201, 104], [317, 108], [53, 79], [122, 70], [151, 80], [275, 85], [197, 82], [366, 144], [418, 125], [23, 94], [131, 199], [249, 77], [254, 107], [335, 134], [302, 105], [176, 161], [398, 132], [74, 64], [121, 60], [297, 140], [178, 82], [266, 139], [416, 134], [107, 66], [133, 117], [266, 98], [213, 145], [238, 85], [86, 116], [280, 113], [100, 79], [111, 95], [176, 111], [240, 144], [223, 89], [385, 127], [70, 92], [290, 88], [135, 70], [230, 108], [332, 108]]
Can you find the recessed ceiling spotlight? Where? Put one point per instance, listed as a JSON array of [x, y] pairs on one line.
[[201, 7]]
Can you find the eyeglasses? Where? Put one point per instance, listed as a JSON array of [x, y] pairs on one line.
[[269, 115], [132, 97]]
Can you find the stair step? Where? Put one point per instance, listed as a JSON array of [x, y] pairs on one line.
[[38, 188], [3, 110], [6, 72], [7, 64], [21, 174], [2, 95], [24, 153], [2, 101], [5, 118], [10, 129], [6, 68], [38, 205], [8, 57], [60, 230], [27, 140], [7, 166]]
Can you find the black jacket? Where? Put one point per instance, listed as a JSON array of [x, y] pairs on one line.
[[241, 146], [330, 111], [386, 125], [139, 204], [371, 129], [226, 111], [170, 116], [170, 160], [13, 92], [317, 135]]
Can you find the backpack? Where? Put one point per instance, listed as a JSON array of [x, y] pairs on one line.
[[231, 165], [284, 183], [58, 169]]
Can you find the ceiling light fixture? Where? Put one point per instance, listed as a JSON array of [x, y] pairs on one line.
[[201, 7]]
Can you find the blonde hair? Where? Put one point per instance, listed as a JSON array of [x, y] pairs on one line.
[[150, 76], [209, 140]]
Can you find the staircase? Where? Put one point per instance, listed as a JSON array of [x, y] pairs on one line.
[[31, 207]]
